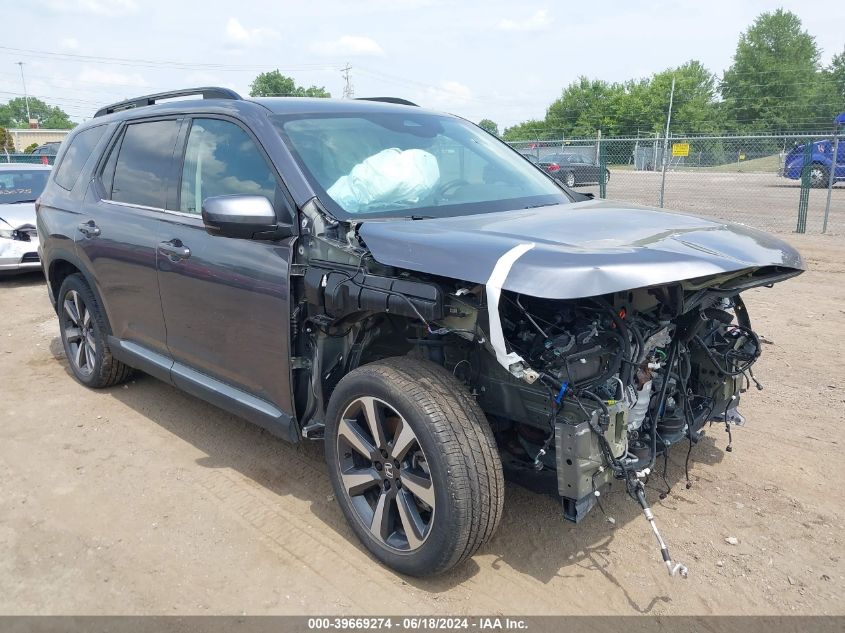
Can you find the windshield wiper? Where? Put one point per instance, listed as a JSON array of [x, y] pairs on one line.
[[545, 204]]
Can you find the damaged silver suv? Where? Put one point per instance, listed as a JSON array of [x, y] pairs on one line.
[[407, 288]]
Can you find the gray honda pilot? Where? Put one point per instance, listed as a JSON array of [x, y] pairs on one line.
[[407, 288]]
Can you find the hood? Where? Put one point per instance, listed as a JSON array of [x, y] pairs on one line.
[[18, 214], [576, 250]]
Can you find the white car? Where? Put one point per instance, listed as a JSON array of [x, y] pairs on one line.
[[20, 186]]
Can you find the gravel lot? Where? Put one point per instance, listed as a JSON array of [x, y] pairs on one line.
[[761, 200], [142, 500]]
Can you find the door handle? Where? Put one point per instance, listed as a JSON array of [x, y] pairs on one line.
[[175, 250], [89, 229]]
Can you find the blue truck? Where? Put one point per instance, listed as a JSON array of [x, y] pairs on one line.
[[821, 163]]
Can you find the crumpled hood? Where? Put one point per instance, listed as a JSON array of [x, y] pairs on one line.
[[18, 215], [579, 250]]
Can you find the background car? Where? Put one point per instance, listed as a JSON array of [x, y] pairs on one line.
[[573, 169], [47, 149], [20, 186], [821, 159]]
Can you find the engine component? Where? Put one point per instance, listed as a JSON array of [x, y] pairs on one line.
[[640, 407], [579, 455]]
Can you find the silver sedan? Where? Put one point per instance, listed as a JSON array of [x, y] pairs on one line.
[[20, 186]]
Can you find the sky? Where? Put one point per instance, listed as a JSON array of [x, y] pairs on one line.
[[506, 61]]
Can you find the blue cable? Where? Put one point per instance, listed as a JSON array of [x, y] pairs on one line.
[[560, 393]]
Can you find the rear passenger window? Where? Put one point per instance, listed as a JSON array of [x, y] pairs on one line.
[[143, 162], [77, 154], [221, 159]]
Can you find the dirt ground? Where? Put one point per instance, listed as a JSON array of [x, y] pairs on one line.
[[761, 200], [142, 500]]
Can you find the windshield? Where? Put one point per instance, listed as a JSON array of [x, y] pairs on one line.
[[411, 165], [22, 185]]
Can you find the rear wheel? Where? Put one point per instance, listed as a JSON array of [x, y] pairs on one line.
[[413, 464], [569, 179], [83, 332], [818, 175]]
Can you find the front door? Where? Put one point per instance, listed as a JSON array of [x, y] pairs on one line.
[[226, 300]]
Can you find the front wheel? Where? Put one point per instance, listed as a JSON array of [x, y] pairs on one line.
[[818, 175], [413, 464]]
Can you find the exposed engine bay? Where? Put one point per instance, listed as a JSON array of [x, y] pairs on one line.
[[580, 393]]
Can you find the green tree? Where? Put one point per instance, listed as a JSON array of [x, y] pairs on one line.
[[30, 148], [694, 108], [530, 130], [489, 125], [7, 143], [773, 80], [275, 84], [834, 76], [13, 114], [586, 105]]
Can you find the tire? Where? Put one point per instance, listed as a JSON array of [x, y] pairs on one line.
[[606, 176], [818, 176], [445, 483], [85, 344], [569, 179]]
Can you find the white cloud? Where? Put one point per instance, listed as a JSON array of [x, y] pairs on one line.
[[69, 44], [111, 78], [540, 20], [448, 94], [95, 7], [239, 35], [349, 45]]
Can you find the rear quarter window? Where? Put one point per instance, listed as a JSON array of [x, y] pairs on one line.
[[76, 156]]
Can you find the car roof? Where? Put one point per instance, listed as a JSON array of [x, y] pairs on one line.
[[24, 167], [276, 105], [306, 105]]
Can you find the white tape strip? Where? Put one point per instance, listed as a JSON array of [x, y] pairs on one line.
[[494, 291]]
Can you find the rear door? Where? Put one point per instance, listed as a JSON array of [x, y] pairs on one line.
[[118, 235], [226, 300]]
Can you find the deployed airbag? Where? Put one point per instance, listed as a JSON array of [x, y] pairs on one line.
[[392, 176]]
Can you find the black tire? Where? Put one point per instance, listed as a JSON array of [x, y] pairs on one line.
[[95, 366], [606, 176], [456, 444], [819, 176], [569, 179]]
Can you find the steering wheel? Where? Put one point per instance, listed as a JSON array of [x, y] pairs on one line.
[[443, 191]]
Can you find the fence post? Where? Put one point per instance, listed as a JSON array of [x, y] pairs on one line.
[[666, 141], [603, 170], [804, 197], [831, 177]]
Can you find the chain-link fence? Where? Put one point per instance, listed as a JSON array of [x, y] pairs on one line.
[[33, 159], [755, 180]]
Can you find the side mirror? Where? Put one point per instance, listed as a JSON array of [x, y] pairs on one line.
[[247, 217]]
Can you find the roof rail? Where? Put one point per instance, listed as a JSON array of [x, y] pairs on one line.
[[396, 100], [138, 102]]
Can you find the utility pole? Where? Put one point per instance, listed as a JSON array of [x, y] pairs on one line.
[[25, 95], [348, 88], [666, 142]]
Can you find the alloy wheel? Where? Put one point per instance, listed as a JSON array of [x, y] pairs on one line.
[[78, 327], [385, 474]]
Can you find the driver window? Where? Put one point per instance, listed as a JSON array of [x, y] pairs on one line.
[[221, 159]]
